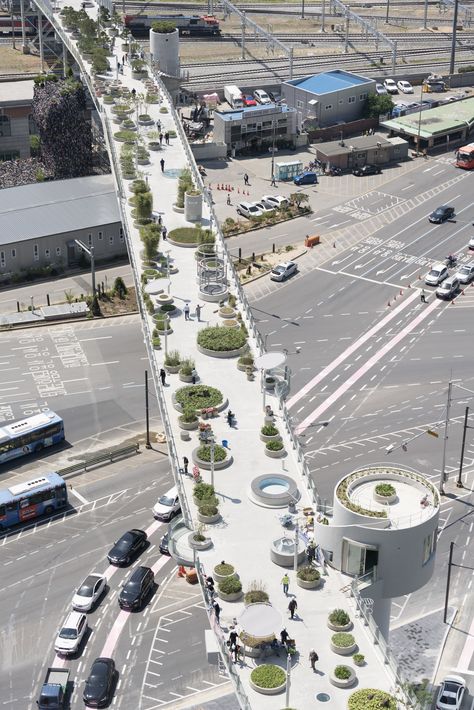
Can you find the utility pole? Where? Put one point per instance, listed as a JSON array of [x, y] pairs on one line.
[[445, 442], [147, 413], [89, 250], [388, 11], [448, 580], [302, 9], [295, 559], [453, 38], [466, 427], [273, 151], [425, 15]]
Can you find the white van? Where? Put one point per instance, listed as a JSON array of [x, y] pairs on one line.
[[233, 96]]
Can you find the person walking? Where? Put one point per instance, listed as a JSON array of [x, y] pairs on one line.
[[164, 232], [186, 311], [284, 636], [292, 606], [161, 137], [198, 312], [167, 138], [193, 376], [233, 638], [185, 464], [286, 583], [246, 179], [230, 418], [163, 376], [162, 163], [217, 610], [158, 125], [423, 297], [273, 182], [313, 657]]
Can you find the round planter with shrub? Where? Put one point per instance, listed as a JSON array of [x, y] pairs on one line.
[[268, 679], [343, 644], [308, 577], [339, 620], [208, 513], [245, 362], [216, 341], [125, 137], [275, 449], [202, 457], [230, 589], [385, 493], [188, 420], [342, 677], [186, 370], [256, 596], [144, 119], [198, 397], [172, 362], [198, 541], [359, 659], [371, 699], [185, 237], [204, 493], [227, 312], [223, 569], [269, 432]]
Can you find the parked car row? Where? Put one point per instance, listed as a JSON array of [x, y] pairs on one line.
[[390, 87], [266, 204]]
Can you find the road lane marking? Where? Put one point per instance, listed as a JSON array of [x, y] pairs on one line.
[[78, 495]]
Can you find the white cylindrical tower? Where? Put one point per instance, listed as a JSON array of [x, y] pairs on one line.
[[164, 49], [384, 530]]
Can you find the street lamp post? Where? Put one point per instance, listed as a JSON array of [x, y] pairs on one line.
[[445, 442], [213, 444], [465, 428], [288, 680], [147, 413], [273, 151], [166, 334], [295, 557], [418, 138]]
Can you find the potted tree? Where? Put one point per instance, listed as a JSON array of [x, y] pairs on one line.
[[342, 677], [186, 370], [308, 577], [172, 362], [188, 420], [230, 589], [339, 620], [223, 569], [138, 69], [343, 644], [208, 512], [198, 540]]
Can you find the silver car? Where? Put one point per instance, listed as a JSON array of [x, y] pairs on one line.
[[465, 274], [71, 634], [283, 271], [448, 288], [438, 273]]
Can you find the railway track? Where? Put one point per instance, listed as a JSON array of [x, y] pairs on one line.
[[467, 39]]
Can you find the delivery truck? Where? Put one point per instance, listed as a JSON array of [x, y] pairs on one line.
[[55, 689], [233, 96]]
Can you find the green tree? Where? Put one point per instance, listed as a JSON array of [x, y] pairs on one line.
[[377, 105], [143, 202], [150, 244], [100, 62], [119, 287], [298, 198]]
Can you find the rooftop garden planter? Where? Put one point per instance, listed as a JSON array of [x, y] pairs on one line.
[[371, 699], [152, 98], [172, 361], [205, 492], [185, 237], [245, 362], [188, 420], [125, 137], [164, 299], [144, 119], [269, 383], [221, 342], [339, 620], [202, 457], [308, 577], [268, 679], [198, 541], [169, 309], [186, 370], [269, 432], [223, 569], [198, 397], [227, 312], [193, 205], [163, 109], [208, 514], [162, 324], [359, 659], [109, 100], [154, 145], [230, 589], [343, 644], [342, 677], [230, 323], [122, 109], [385, 493], [275, 449], [256, 596]]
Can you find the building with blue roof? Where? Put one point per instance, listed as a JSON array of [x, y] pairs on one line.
[[328, 98]]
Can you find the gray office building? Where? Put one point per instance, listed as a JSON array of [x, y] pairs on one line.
[[328, 98], [254, 127], [39, 223]]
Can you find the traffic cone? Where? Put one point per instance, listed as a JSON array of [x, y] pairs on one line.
[[389, 305], [181, 571], [401, 292], [238, 190], [233, 188], [419, 277], [409, 285]]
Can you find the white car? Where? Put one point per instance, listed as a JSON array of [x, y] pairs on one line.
[[438, 273], [380, 89], [405, 87], [275, 201], [283, 271], [390, 85], [263, 208], [89, 592], [248, 209], [448, 288], [465, 274], [451, 693], [262, 97], [471, 243], [71, 634], [167, 506]]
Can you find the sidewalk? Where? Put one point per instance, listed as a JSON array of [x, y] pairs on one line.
[[244, 536]]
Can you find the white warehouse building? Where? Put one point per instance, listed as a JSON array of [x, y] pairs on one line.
[[387, 543]]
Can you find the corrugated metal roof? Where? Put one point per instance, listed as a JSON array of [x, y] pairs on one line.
[[329, 81], [435, 121], [45, 208]]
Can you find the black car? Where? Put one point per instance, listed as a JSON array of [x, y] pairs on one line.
[[100, 683], [164, 545], [136, 589], [127, 547], [441, 214], [366, 170]]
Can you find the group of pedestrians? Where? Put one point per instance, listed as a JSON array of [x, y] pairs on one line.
[[187, 312]]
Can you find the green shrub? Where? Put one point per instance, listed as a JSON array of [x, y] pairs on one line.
[[339, 617], [221, 339], [226, 311], [358, 658], [308, 573], [246, 360], [342, 640], [163, 109], [255, 596], [185, 182], [269, 430], [156, 341], [199, 397], [204, 491], [163, 27], [161, 323], [172, 134], [342, 672], [230, 585], [139, 186], [204, 453], [268, 676], [223, 568], [126, 136], [173, 358], [208, 510], [168, 307], [144, 117], [122, 108], [185, 235], [385, 489], [187, 367], [468, 68], [188, 416], [274, 445], [371, 699]]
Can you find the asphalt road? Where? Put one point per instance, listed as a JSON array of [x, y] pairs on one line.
[[374, 362], [41, 567], [91, 373]]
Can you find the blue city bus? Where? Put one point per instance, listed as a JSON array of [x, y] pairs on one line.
[[25, 501], [30, 435]]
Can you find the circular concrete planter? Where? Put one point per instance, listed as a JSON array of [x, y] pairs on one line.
[[208, 519], [193, 206], [273, 437], [206, 465], [267, 691], [179, 210], [343, 650], [221, 577], [188, 426], [270, 384], [385, 499], [308, 585], [195, 545], [234, 597], [275, 454], [227, 315], [223, 354], [172, 369], [185, 378], [149, 122], [347, 683], [164, 299], [184, 245], [244, 368], [337, 629], [168, 331]]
